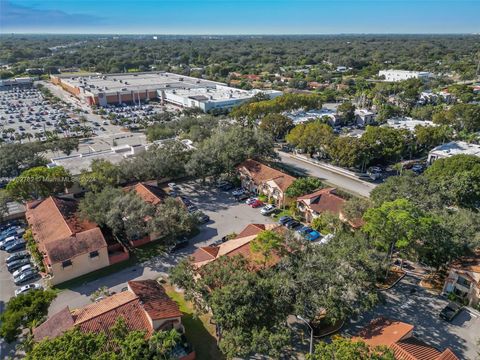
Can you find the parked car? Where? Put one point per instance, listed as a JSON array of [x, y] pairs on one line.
[[292, 224], [172, 186], [374, 172], [22, 269], [8, 241], [221, 184], [26, 276], [17, 264], [180, 244], [17, 245], [284, 219], [257, 203], [238, 192], [450, 311], [242, 197], [202, 217], [304, 230], [268, 209], [17, 256], [313, 235], [26, 288], [192, 208]]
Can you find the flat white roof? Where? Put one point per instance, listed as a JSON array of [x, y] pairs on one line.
[[456, 148]]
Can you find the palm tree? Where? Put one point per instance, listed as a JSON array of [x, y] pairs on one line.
[[29, 136]]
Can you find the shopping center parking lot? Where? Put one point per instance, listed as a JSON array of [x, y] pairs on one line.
[[412, 304]]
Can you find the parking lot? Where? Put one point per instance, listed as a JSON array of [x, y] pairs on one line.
[[410, 303], [7, 284]]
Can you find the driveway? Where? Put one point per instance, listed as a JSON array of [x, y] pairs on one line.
[[421, 309], [226, 216]]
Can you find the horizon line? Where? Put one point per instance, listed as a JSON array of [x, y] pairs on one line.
[[239, 34]]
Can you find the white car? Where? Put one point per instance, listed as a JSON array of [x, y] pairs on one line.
[[238, 192], [22, 269], [251, 200], [172, 185], [267, 209], [27, 288]]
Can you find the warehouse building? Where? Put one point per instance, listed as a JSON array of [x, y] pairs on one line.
[[184, 91]]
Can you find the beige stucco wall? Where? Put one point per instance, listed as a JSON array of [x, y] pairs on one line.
[[81, 265]]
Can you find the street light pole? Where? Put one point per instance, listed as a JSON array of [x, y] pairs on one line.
[[311, 332]]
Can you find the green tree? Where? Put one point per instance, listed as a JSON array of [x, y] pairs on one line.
[[267, 244], [39, 182], [347, 349], [277, 125], [23, 311], [347, 111], [302, 186], [327, 223], [459, 178], [311, 137], [102, 174], [354, 208], [4, 199], [172, 220]]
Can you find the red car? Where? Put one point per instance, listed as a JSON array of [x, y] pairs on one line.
[[256, 204]]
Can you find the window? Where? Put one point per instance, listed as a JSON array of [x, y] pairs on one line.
[[67, 263], [93, 254], [463, 282]]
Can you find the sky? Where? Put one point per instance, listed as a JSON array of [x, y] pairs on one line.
[[240, 16]]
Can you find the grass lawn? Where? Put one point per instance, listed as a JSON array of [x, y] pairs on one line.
[[148, 251], [285, 212], [198, 330]]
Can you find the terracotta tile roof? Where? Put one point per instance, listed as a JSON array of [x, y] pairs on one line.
[[398, 336], [111, 302], [414, 349], [55, 325], [60, 233], [382, 331], [447, 354], [155, 301], [260, 173], [205, 254], [468, 263], [240, 245], [148, 192], [132, 312], [324, 200]]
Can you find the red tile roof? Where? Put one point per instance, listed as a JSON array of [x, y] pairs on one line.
[[55, 326], [260, 173], [148, 192], [155, 301], [144, 302], [324, 200], [414, 349], [59, 231], [382, 331], [398, 336]]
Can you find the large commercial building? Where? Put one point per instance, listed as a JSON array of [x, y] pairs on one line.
[[184, 91], [402, 75]]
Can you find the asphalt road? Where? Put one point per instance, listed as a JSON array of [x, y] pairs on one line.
[[338, 179]]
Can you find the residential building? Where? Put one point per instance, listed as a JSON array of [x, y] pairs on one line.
[[152, 194], [299, 117], [240, 245], [453, 148], [402, 75], [324, 200], [364, 117], [464, 279], [399, 338], [144, 306], [71, 246], [262, 179]]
